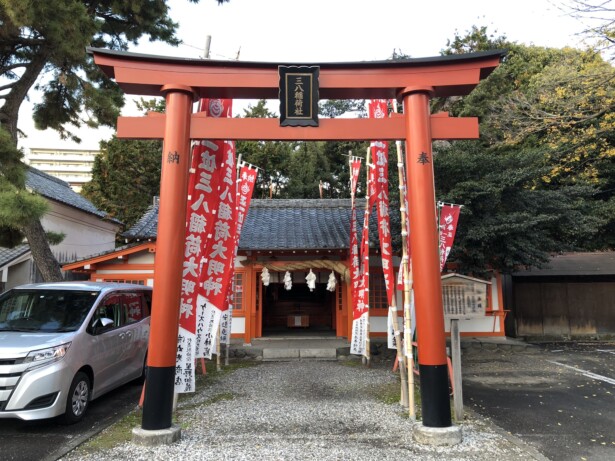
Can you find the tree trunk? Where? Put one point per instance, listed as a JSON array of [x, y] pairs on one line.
[[34, 232], [41, 253], [19, 90]]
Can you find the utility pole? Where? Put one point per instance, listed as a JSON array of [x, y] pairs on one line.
[[207, 45]]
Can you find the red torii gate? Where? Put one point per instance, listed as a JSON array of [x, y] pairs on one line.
[[181, 81]]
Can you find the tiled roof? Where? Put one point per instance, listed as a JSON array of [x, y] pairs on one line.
[[296, 224], [283, 224], [145, 228], [582, 263], [9, 254], [55, 189]]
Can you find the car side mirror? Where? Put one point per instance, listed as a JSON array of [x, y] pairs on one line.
[[101, 323]]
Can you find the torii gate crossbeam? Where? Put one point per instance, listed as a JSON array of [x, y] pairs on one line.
[[413, 81]]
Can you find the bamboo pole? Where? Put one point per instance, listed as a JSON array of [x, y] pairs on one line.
[[400, 353], [457, 386], [398, 345], [368, 355], [227, 345], [218, 360], [407, 274]]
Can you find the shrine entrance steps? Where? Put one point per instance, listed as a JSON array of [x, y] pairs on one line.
[[284, 349], [284, 355]]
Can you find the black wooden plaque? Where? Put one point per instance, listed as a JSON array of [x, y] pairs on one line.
[[298, 95]]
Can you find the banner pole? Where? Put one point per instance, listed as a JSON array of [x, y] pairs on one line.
[[368, 355], [353, 243], [407, 274], [218, 360], [227, 346], [379, 108], [400, 355]]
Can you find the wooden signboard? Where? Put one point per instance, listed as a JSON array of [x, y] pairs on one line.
[[464, 297], [298, 95]]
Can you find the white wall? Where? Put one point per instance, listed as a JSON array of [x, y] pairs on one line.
[[17, 273], [86, 234], [238, 325]]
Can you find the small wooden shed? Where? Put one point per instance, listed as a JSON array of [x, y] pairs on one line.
[[573, 297]]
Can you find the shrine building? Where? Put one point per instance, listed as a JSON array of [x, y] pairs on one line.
[[296, 236]]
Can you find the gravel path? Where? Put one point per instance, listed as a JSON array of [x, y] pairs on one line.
[[306, 411]]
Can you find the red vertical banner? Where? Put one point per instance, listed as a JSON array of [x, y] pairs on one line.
[[220, 254], [360, 306], [380, 159], [247, 180], [207, 158], [245, 187], [449, 215], [355, 273], [378, 108]]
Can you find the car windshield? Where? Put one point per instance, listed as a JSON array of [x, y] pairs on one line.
[[44, 310]]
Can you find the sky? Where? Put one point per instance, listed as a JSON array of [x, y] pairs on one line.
[[316, 31]]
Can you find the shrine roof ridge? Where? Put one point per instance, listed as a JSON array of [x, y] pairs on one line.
[[302, 203]]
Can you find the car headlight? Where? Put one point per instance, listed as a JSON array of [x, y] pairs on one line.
[[43, 357]]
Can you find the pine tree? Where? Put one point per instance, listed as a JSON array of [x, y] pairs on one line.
[[43, 45]]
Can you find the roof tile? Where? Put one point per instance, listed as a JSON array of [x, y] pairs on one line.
[[9, 254], [282, 224], [55, 189]]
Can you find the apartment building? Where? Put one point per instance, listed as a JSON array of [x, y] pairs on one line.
[[71, 165]]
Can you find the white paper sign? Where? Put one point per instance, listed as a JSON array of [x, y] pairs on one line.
[[208, 320], [359, 333]]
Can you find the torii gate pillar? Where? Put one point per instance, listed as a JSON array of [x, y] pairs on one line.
[[435, 401], [159, 388]]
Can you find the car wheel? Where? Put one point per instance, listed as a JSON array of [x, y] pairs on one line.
[[78, 398]]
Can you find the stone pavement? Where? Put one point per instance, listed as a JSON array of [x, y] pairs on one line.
[[380, 352], [308, 410], [314, 409]]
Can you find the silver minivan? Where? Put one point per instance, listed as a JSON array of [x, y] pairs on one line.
[[65, 344]]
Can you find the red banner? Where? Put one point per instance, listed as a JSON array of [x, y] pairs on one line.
[[245, 187], [372, 183], [221, 245], [380, 158], [355, 272], [362, 304], [247, 179], [449, 215], [360, 307], [355, 168], [384, 220], [202, 201], [213, 190], [217, 272]]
